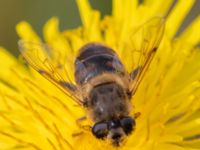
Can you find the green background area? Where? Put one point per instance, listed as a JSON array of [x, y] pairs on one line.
[[37, 12]]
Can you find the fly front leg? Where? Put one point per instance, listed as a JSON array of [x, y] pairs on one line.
[[136, 115], [79, 122]]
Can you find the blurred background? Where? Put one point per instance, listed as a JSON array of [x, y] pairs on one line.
[[37, 12]]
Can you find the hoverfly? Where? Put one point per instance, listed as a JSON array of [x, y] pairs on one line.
[[103, 86]]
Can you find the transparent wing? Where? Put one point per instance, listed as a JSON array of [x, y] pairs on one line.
[[39, 57], [144, 44]]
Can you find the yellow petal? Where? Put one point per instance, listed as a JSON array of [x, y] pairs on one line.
[[177, 16], [192, 34], [26, 32], [85, 12]]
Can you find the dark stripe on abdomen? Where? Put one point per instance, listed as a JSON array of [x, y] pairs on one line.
[[95, 59]]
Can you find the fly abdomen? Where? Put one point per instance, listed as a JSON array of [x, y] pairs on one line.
[[95, 59]]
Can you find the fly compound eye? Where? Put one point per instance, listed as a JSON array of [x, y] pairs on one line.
[[127, 124], [113, 124], [100, 130]]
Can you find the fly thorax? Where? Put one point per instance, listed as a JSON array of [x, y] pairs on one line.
[[108, 101]]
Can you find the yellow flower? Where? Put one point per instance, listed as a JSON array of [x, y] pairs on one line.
[[36, 115]]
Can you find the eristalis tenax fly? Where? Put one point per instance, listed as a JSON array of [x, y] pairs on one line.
[[104, 87]]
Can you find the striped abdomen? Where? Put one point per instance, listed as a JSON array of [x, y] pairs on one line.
[[95, 59]]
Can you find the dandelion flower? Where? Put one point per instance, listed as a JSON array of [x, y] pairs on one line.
[[36, 115]]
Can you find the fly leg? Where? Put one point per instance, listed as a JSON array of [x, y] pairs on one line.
[[79, 120], [136, 115], [83, 127]]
